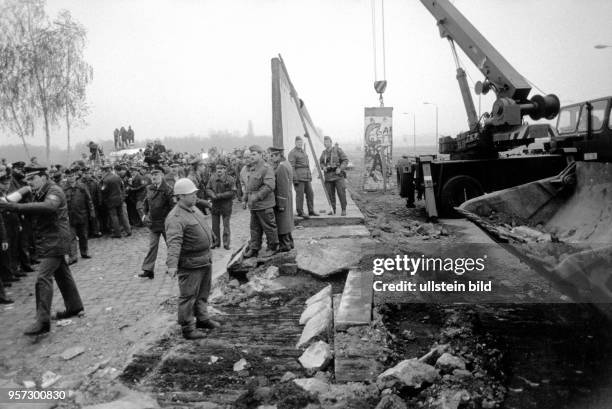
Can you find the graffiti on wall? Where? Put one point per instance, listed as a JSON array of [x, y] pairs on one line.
[[378, 148]]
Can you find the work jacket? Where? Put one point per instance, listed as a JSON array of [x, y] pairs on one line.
[[50, 221], [188, 237], [331, 160], [301, 167], [221, 190], [158, 203], [260, 186], [80, 205]]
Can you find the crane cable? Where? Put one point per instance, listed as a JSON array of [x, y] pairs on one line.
[[379, 86]]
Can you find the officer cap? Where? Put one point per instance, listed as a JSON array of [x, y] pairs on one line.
[[299, 138], [275, 149], [69, 171], [31, 171], [18, 165], [256, 148]]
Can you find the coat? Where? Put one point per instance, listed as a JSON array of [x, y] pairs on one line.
[[157, 204], [189, 238], [80, 205], [260, 186], [284, 198], [301, 167], [50, 221], [112, 191], [221, 190]]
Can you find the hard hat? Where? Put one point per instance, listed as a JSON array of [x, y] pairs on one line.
[[184, 186]]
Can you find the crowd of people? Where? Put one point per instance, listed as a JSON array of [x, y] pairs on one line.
[[123, 137], [49, 214]]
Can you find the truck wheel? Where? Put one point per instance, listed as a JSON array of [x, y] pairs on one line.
[[457, 190]]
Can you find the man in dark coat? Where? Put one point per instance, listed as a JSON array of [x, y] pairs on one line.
[[138, 192], [52, 234], [221, 190], [80, 212], [9, 257], [130, 135], [302, 179], [112, 197], [157, 204], [283, 211], [93, 186]]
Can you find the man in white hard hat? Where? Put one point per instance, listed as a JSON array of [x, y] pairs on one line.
[[189, 240]]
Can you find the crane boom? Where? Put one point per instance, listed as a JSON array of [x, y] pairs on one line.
[[506, 80]]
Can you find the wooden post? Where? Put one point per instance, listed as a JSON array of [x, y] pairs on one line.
[[277, 114]]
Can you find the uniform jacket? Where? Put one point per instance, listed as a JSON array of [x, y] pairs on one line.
[[224, 189], [158, 203], [284, 198], [138, 188], [80, 205], [189, 238], [94, 189], [331, 160], [301, 167], [112, 191], [50, 221], [260, 186]]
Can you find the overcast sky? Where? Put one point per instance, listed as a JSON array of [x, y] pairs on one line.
[[179, 67]]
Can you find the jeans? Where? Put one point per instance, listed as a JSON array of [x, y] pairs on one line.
[[194, 289], [149, 262], [49, 268]]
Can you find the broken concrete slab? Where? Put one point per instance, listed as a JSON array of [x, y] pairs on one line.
[[391, 402], [324, 293], [313, 309], [410, 372], [318, 325], [312, 385], [432, 356], [330, 232], [448, 362], [316, 357], [72, 352], [329, 256], [356, 302], [357, 354], [240, 267]]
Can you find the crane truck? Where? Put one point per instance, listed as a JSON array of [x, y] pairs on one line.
[[477, 163]]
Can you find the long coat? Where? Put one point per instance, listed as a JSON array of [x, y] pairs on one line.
[[157, 205], [112, 191], [80, 205], [284, 197]]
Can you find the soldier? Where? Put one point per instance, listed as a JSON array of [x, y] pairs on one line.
[[333, 161], [157, 204], [26, 239], [284, 200], [112, 197], [9, 258], [116, 139], [260, 199], [52, 241], [138, 192], [94, 191], [189, 241], [302, 179], [80, 212], [200, 175], [221, 190]]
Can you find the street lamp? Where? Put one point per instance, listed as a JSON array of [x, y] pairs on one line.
[[413, 128], [436, 105]]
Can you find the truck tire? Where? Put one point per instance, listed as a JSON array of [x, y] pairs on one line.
[[457, 190]]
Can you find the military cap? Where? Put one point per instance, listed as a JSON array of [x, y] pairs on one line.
[[299, 138], [69, 171], [274, 149], [327, 137], [34, 170], [18, 165], [157, 169], [106, 166], [220, 164], [256, 148]]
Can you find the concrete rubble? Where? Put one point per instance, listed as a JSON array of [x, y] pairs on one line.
[[448, 362], [317, 356], [411, 373], [72, 352], [313, 385], [314, 309], [317, 326]]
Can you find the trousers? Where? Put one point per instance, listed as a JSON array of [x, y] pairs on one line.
[[301, 189], [336, 186], [149, 262], [118, 215], [194, 289], [50, 268], [81, 231], [263, 221], [216, 225]]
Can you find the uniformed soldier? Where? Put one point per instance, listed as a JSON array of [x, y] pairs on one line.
[[302, 179], [189, 256], [9, 257], [80, 212], [260, 199], [113, 198], [283, 211], [158, 203], [334, 161], [221, 190], [52, 234]]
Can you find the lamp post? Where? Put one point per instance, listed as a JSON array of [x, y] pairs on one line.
[[413, 129], [436, 105]]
